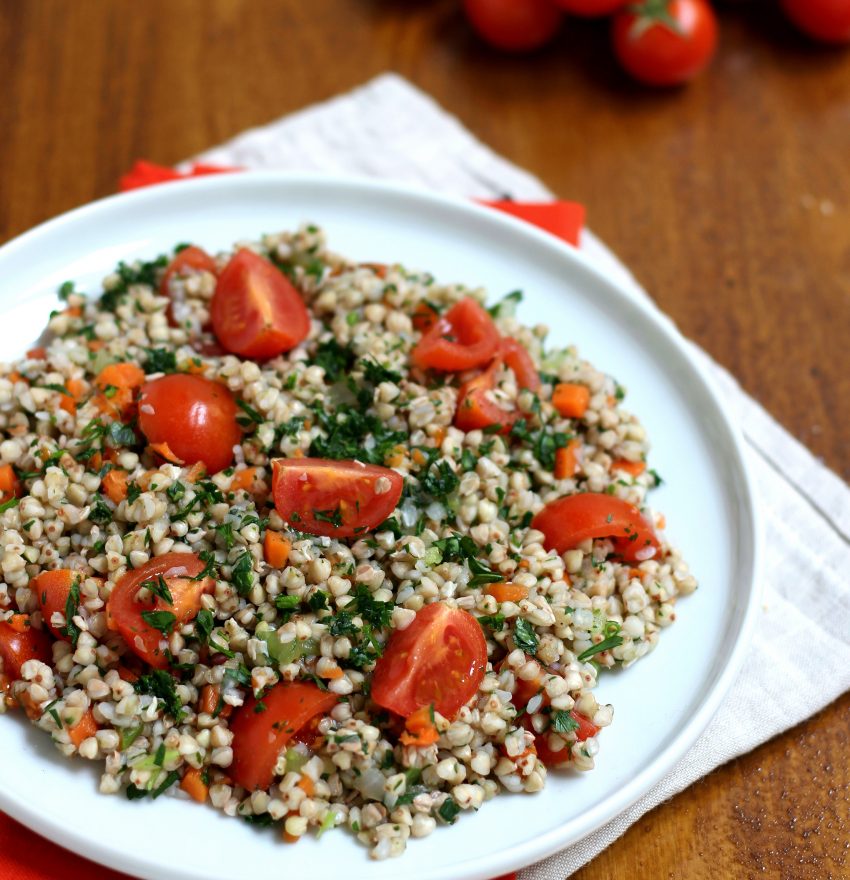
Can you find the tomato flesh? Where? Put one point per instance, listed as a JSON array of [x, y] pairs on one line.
[[559, 757], [519, 361], [575, 518], [339, 499], [194, 416], [52, 589], [258, 736], [439, 660], [124, 612], [659, 54], [18, 647], [256, 312], [462, 339], [190, 260], [476, 409]]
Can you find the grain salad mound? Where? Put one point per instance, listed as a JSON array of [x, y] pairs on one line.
[[365, 573]]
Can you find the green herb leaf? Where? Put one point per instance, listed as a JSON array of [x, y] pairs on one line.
[[162, 620], [160, 360], [525, 636], [563, 722]]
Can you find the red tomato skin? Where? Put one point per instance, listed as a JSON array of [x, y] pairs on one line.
[[590, 8], [52, 589], [195, 416], [191, 257], [474, 340], [124, 613], [826, 20], [475, 411], [514, 25], [518, 359], [653, 53], [560, 757], [258, 736], [439, 658], [255, 310], [343, 489], [16, 648], [568, 521]]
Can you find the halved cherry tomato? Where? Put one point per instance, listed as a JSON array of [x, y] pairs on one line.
[[575, 518], [260, 734], [518, 359], [590, 8], [194, 416], [563, 219], [462, 339], [190, 260], [256, 312], [124, 612], [336, 498], [52, 589], [559, 757], [514, 25], [438, 659], [18, 647], [665, 42]]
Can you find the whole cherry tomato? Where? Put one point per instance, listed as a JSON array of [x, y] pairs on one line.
[[514, 25], [827, 20]]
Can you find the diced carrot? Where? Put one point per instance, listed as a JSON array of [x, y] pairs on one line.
[[39, 353], [114, 484], [306, 784], [10, 485], [332, 674], [95, 344], [298, 453], [508, 592], [29, 705], [196, 472], [419, 456], [118, 384], [276, 549], [566, 459], [20, 623], [420, 729], [439, 436], [571, 400], [164, 451], [76, 388], [144, 479], [243, 479], [15, 376], [83, 729], [73, 311], [193, 784], [287, 837], [397, 457], [662, 521], [209, 699], [635, 468], [635, 573]]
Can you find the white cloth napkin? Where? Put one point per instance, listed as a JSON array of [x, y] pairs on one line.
[[800, 657]]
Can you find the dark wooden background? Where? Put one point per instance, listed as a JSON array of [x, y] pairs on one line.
[[730, 200]]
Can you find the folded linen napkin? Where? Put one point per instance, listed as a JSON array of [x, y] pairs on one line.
[[800, 657]]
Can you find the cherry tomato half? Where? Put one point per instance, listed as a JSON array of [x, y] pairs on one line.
[[514, 25], [665, 43], [518, 359], [827, 20], [18, 647], [475, 407], [439, 659], [575, 518], [258, 736], [124, 612], [52, 589], [462, 339], [340, 499], [195, 417], [590, 8], [255, 310]]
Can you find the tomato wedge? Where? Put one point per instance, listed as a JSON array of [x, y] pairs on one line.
[[462, 339], [52, 589], [575, 518], [259, 735], [438, 660], [195, 417], [17, 647], [339, 499], [256, 312], [125, 614], [476, 408]]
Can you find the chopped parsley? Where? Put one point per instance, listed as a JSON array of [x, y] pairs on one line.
[[376, 373], [506, 305], [204, 624], [100, 513], [162, 620], [159, 588], [335, 359], [251, 415], [525, 637], [72, 606], [242, 574], [160, 360], [495, 622], [158, 683], [544, 444], [448, 810], [563, 722]]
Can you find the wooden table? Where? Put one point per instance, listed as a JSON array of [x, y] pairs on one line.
[[729, 199]]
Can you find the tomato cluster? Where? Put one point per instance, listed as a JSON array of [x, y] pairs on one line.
[[658, 42]]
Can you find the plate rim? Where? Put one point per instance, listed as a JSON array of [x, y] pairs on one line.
[[540, 846]]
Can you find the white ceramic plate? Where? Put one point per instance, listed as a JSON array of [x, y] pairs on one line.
[[661, 705]]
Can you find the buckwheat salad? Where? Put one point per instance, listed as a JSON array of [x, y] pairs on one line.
[[319, 543]]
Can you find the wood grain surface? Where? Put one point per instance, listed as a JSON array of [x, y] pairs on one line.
[[730, 200]]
